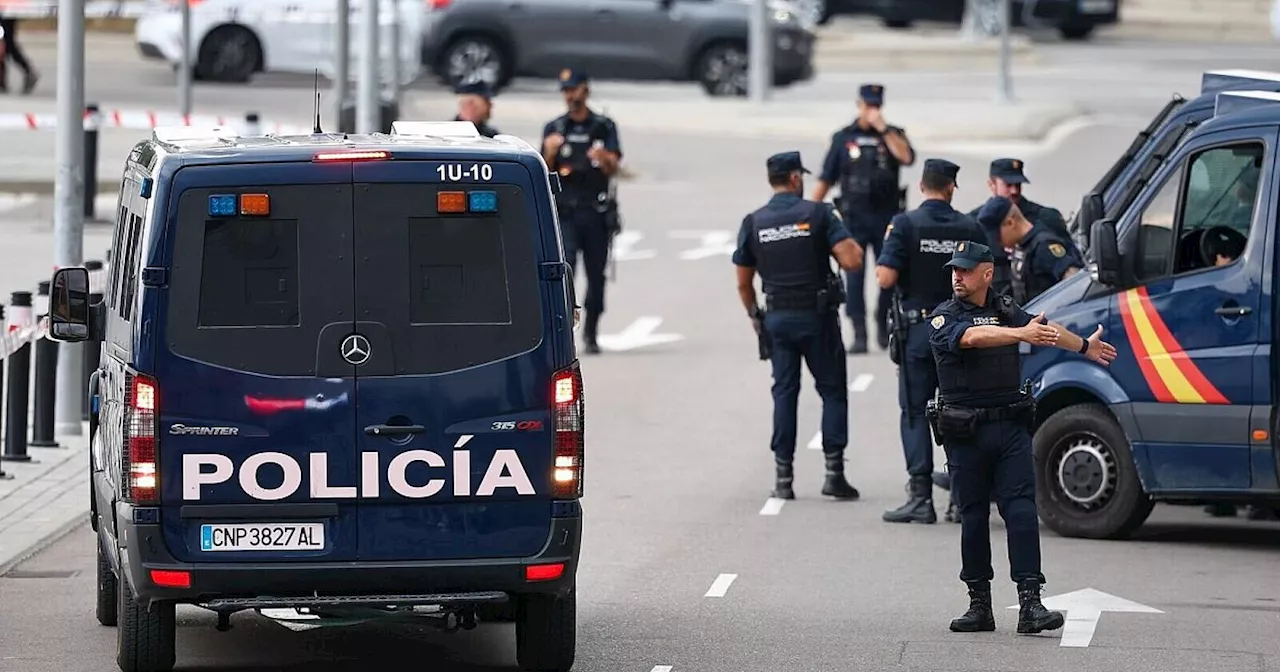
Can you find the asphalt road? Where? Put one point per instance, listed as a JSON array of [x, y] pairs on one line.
[[678, 443]]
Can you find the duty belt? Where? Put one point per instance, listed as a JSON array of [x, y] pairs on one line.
[[1012, 411], [791, 301], [915, 315]]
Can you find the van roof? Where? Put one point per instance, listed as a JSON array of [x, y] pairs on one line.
[[1213, 81], [1244, 108], [408, 139]]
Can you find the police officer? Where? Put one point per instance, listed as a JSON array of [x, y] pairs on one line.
[[866, 159], [583, 147], [916, 245], [983, 419], [789, 242], [475, 104], [1042, 257]]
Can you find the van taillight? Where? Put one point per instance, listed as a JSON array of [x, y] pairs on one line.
[[438, 4], [567, 412], [141, 470]]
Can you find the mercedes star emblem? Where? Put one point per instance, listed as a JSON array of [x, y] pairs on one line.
[[355, 349]]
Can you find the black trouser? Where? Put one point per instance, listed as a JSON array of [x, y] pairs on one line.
[[11, 50], [586, 230]]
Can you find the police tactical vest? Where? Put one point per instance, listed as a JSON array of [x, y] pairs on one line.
[[984, 372], [578, 139], [926, 281], [790, 246], [869, 172]]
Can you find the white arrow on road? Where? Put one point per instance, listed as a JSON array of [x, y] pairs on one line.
[[1084, 608], [638, 334], [624, 247], [711, 243]]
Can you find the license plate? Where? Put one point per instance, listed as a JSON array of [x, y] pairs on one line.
[[1097, 6], [262, 537]]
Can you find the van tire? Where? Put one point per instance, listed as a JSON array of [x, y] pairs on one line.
[[547, 632], [108, 591], [146, 637], [1089, 429]]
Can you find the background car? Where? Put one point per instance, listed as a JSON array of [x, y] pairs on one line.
[[675, 40], [1073, 19]]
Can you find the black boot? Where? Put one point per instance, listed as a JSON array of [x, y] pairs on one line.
[[953, 513], [1032, 616], [782, 481], [836, 486], [919, 508], [589, 330], [979, 617], [859, 345]]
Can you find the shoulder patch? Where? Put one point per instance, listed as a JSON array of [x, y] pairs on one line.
[[1057, 250], [937, 322]]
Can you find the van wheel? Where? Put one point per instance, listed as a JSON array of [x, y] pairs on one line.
[[546, 632], [1086, 481], [108, 590], [145, 639]]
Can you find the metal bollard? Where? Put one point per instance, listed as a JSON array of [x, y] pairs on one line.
[[42, 434], [91, 123], [251, 124], [19, 390], [92, 347]]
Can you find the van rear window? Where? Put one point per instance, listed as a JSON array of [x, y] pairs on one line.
[[250, 273], [459, 272]]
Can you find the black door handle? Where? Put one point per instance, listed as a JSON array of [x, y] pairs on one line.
[[393, 430], [1233, 311]]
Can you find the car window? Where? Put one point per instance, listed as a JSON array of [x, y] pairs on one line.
[[1203, 213]]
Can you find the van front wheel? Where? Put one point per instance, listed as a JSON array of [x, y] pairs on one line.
[[547, 632], [146, 636]]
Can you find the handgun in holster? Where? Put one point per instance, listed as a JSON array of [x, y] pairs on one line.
[[764, 342], [897, 323], [931, 409]]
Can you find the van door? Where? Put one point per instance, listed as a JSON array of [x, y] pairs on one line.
[[1192, 322], [452, 400], [256, 404]]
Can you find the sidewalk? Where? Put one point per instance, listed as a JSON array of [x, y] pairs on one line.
[[43, 499]]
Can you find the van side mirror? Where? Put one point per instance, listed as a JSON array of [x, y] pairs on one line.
[[69, 305], [1091, 210], [1105, 250]]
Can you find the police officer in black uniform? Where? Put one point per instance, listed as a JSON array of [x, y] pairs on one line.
[[866, 160], [1006, 178], [582, 146], [1042, 257], [984, 417], [475, 104], [790, 242], [916, 246]]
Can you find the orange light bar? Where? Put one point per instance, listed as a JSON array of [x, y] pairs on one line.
[[255, 204], [351, 156], [451, 201]]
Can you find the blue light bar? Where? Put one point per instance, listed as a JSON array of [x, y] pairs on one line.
[[482, 201], [223, 205]]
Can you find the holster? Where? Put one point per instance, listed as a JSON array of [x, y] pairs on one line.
[[960, 423], [931, 414], [764, 342]]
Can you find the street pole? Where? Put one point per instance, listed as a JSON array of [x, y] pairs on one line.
[[68, 191], [342, 56], [760, 54], [395, 53], [368, 108], [184, 69], [1005, 94]]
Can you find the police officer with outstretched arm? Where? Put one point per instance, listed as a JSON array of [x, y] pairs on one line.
[[583, 147], [475, 104], [790, 242], [916, 246], [866, 160], [983, 418], [1042, 257]]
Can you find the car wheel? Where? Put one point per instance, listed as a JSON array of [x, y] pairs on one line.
[[108, 590], [229, 54], [146, 637], [474, 58], [722, 70], [1086, 481], [547, 632]]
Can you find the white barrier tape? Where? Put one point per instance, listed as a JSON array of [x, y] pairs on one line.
[[14, 340], [145, 120]]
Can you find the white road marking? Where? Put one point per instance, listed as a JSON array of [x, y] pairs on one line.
[[661, 668], [861, 383], [624, 247], [772, 506], [1083, 609], [638, 334], [721, 585], [816, 442], [711, 243]]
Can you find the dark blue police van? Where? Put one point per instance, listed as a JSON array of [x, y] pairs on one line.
[[339, 378], [1133, 169], [1184, 283]]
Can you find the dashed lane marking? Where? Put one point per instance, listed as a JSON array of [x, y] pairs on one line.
[[721, 585], [861, 383], [661, 668], [816, 442], [772, 506]]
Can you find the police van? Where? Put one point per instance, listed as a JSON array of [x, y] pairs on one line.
[[1183, 282], [1133, 169], [338, 380]]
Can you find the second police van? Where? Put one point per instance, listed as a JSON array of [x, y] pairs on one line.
[[338, 381], [1183, 282]]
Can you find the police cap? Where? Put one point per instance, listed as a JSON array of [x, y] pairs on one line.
[[941, 167], [570, 78], [476, 88], [872, 94], [1009, 170], [993, 213], [969, 254], [785, 162]]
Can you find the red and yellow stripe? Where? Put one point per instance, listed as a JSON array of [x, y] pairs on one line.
[[1173, 377]]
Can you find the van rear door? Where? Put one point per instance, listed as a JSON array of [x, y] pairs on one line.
[[453, 401], [257, 406]]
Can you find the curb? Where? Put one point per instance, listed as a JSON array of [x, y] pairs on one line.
[[58, 533]]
